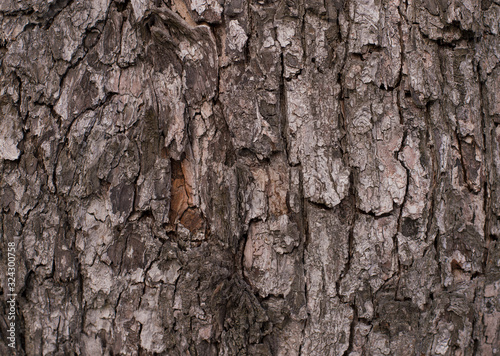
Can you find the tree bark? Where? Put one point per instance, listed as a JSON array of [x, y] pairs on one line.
[[250, 177]]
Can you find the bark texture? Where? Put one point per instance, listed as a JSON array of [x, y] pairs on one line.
[[251, 177]]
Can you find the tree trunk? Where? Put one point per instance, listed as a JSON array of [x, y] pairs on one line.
[[250, 177]]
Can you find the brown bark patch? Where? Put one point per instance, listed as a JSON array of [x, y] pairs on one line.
[[181, 205]]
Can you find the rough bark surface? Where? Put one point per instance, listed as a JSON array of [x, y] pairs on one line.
[[251, 177]]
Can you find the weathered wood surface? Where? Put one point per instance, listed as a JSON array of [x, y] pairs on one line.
[[237, 177]]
